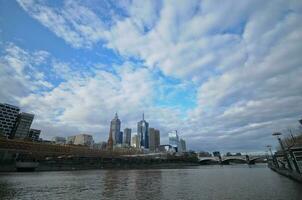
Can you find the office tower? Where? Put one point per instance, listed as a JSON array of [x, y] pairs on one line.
[[115, 129], [22, 126], [120, 138], [127, 136], [182, 145], [34, 134], [154, 139], [174, 140], [135, 142], [83, 139], [110, 141], [142, 131], [59, 140], [8, 118]]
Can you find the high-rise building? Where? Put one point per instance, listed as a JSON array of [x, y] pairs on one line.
[[110, 141], [142, 131], [120, 138], [83, 139], [115, 129], [22, 126], [8, 118], [135, 142], [154, 139], [182, 145], [34, 134], [127, 136], [174, 139]]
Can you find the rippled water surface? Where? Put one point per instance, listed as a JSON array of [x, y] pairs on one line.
[[204, 182]]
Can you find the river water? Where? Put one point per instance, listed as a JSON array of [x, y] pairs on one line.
[[200, 182]]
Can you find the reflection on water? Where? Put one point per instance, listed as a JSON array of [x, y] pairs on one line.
[[204, 182]]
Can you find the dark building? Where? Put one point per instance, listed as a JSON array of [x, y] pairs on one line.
[[120, 138], [143, 133], [216, 154], [127, 136], [154, 139], [34, 134], [22, 126], [115, 129], [8, 118]]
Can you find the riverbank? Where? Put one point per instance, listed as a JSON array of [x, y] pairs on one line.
[[89, 166], [290, 174]]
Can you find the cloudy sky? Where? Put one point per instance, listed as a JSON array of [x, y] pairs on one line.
[[225, 74]]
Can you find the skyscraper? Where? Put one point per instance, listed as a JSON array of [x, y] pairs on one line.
[[154, 139], [182, 145], [127, 136], [143, 133], [115, 129], [8, 117], [22, 126], [135, 142], [120, 138], [174, 139]]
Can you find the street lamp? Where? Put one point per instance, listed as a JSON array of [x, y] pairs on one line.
[[270, 149], [283, 149]]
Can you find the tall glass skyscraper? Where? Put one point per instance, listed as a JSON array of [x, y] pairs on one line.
[[115, 129], [143, 133], [174, 139]]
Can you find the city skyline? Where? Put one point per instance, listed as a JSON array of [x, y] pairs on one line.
[[224, 80]]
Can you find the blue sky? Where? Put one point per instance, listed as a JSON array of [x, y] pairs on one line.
[[225, 74]]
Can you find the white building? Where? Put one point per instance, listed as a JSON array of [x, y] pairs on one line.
[[83, 139], [135, 142]]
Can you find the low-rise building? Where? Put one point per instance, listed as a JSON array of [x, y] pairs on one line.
[[34, 134], [59, 140], [83, 139]]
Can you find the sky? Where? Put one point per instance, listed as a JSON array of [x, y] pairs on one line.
[[225, 74]]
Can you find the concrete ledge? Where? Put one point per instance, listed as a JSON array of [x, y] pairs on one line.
[[290, 174]]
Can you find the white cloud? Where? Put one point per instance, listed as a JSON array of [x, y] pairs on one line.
[[76, 24], [243, 57]]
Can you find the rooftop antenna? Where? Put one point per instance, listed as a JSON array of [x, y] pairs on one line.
[[143, 116]]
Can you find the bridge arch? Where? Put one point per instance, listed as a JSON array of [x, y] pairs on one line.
[[208, 161], [237, 160]]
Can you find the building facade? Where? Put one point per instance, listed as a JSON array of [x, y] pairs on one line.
[[135, 142], [70, 139], [59, 140], [115, 129], [154, 139], [127, 136], [8, 118], [83, 139], [174, 139], [22, 126], [143, 133], [182, 146], [34, 134]]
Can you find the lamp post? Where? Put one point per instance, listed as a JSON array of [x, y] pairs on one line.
[[283, 150], [275, 162]]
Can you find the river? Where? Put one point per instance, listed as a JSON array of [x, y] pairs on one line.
[[201, 182]]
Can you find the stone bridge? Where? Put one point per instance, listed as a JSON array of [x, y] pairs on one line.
[[228, 159]]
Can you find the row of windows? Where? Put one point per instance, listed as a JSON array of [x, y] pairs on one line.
[[9, 107]]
